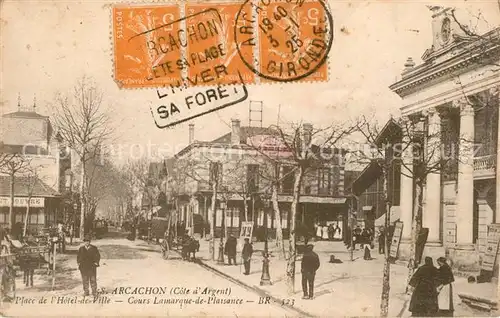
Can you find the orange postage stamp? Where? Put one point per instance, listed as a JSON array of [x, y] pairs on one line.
[[197, 44]]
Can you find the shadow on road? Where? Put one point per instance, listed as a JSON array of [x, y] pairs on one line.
[[115, 251]]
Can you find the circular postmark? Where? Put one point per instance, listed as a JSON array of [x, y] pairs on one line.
[[290, 39]]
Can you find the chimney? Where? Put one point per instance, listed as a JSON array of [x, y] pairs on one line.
[[191, 133], [235, 132], [307, 133], [409, 65]]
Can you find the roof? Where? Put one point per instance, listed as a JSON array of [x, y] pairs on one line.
[[25, 114], [390, 132], [366, 178], [22, 187], [23, 149], [245, 132]]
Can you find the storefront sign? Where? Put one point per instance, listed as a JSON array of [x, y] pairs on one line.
[[246, 230], [396, 238], [491, 247], [23, 202]]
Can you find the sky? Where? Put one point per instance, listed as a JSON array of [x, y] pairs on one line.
[[47, 45]]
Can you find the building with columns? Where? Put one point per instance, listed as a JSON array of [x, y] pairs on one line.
[[454, 94]]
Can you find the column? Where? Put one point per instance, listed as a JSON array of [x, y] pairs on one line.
[[406, 191], [494, 92], [465, 195], [431, 217]]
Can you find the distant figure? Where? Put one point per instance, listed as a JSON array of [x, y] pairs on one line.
[[88, 260], [331, 232], [230, 249], [309, 266], [381, 241], [337, 234], [367, 250], [424, 299], [445, 288], [319, 231], [325, 233], [246, 255]]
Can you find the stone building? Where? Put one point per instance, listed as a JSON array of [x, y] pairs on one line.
[[30, 135], [454, 91], [241, 157]]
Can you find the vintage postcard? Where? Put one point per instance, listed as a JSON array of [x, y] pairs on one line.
[[249, 158]]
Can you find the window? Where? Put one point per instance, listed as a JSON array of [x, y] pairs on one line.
[[33, 218], [324, 181], [288, 178], [253, 178]]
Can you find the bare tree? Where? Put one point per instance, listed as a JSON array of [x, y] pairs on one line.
[[14, 165], [380, 153], [138, 171], [84, 124], [305, 156]]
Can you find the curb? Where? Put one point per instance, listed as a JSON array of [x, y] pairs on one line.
[[254, 289]]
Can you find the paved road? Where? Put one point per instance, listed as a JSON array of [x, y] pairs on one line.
[[143, 284]]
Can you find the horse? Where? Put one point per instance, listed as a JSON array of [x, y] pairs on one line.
[[190, 246]]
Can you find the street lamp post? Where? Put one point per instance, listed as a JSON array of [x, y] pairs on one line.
[[265, 278], [220, 260]]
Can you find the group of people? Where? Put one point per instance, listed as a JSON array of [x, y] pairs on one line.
[[246, 252], [327, 232], [432, 289]]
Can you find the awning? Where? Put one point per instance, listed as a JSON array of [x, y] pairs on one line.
[[288, 198], [394, 216], [26, 186]]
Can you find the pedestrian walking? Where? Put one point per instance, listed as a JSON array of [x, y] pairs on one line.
[[445, 288], [309, 266], [424, 299], [230, 249], [88, 260], [368, 250], [381, 241], [246, 255]]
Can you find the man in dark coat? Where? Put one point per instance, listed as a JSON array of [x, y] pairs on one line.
[[230, 249], [309, 266], [424, 299], [88, 260], [246, 255]]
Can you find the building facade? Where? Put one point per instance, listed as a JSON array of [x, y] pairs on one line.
[[30, 136], [454, 92], [245, 160]]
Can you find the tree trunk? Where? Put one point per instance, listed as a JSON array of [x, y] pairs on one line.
[[415, 230], [292, 256], [279, 231], [245, 207], [82, 200], [205, 216], [11, 205], [26, 217], [386, 287], [214, 214]]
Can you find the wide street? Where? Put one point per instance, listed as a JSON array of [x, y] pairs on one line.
[[125, 267]]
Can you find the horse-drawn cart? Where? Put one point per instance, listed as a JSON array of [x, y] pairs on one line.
[[184, 244]]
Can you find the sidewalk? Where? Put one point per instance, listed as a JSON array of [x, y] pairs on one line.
[[351, 288]]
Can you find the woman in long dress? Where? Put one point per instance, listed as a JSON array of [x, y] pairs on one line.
[[424, 302], [319, 231], [445, 288], [324, 233]]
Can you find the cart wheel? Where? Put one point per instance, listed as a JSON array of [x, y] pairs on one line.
[[164, 254], [165, 251]]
